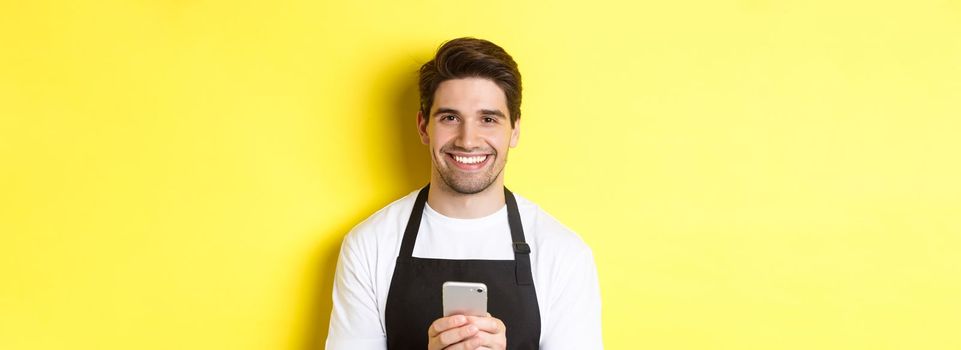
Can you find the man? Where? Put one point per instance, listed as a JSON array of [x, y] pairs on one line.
[[465, 226]]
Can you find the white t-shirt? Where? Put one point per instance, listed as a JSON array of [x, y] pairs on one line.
[[565, 277]]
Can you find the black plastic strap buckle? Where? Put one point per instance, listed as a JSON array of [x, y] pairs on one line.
[[521, 248]]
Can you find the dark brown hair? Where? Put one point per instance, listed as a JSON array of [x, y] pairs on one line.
[[470, 57]]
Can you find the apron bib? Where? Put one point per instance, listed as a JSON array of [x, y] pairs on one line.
[[414, 299]]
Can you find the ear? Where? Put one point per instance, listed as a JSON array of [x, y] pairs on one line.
[[422, 128], [516, 133]]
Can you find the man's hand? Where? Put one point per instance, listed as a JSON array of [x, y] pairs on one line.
[[460, 332]]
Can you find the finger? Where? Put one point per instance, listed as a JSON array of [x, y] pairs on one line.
[[472, 343], [457, 335], [444, 323], [482, 341], [497, 340], [487, 324]]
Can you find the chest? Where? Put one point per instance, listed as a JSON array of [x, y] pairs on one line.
[[489, 241]]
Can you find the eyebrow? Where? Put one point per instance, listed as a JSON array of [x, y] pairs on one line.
[[496, 112], [493, 112]]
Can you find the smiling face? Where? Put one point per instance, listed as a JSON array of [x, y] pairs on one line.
[[469, 132]]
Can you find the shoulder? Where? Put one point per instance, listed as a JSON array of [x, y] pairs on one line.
[[386, 224], [547, 233]]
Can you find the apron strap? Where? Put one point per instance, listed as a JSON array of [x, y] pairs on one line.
[[522, 251], [413, 225]]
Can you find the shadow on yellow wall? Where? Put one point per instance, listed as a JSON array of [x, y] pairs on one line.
[[411, 169]]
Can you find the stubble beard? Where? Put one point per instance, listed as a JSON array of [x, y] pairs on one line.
[[469, 184]]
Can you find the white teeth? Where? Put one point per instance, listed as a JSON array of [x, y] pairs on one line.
[[470, 160]]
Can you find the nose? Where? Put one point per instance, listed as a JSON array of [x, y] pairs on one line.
[[468, 137]]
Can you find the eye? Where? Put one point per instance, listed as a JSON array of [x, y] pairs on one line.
[[489, 119], [448, 117]]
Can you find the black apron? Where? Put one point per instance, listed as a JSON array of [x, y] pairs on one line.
[[414, 300]]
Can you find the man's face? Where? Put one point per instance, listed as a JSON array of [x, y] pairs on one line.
[[469, 132]]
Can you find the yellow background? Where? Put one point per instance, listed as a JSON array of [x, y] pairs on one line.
[[750, 174]]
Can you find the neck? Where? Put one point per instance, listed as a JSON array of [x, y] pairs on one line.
[[457, 205]]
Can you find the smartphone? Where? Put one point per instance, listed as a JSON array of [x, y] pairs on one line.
[[465, 298]]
